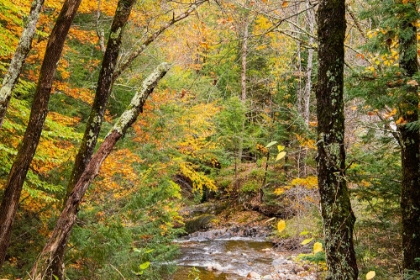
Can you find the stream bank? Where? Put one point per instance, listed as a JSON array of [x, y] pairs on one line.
[[237, 253], [223, 244]]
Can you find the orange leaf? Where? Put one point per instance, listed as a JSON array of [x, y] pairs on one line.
[[285, 4]]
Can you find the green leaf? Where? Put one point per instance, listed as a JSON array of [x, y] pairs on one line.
[[138, 273], [271, 144], [305, 232], [306, 241], [144, 265]]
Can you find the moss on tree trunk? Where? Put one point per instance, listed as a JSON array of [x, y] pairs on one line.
[[337, 214], [32, 135]]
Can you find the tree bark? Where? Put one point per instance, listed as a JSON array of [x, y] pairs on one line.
[[22, 50], [93, 126], [37, 117], [103, 90], [42, 267], [337, 214], [110, 71], [410, 150]]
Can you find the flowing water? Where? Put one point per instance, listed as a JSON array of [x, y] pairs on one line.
[[224, 258]]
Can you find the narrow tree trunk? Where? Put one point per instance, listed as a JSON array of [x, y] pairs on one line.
[[22, 50], [410, 150], [123, 65], [108, 74], [306, 100], [96, 116], [42, 267], [308, 85], [244, 54], [103, 91], [39, 111], [337, 214]]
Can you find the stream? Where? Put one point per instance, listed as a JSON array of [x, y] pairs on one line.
[[222, 256]]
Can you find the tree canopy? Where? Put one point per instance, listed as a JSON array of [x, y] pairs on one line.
[[294, 109]]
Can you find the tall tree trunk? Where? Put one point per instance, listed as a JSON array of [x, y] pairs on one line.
[[410, 150], [42, 267], [306, 98], [244, 56], [96, 116], [108, 74], [22, 50], [39, 112], [337, 214], [103, 90], [310, 14]]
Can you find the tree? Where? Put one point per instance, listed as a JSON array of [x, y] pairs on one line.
[[39, 111], [103, 90], [43, 267], [410, 141], [337, 214], [15, 67], [110, 71]]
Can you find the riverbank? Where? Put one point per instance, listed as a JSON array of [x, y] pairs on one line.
[[240, 245]]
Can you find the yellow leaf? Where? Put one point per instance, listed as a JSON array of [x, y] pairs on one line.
[[317, 247], [280, 156], [278, 191], [281, 225], [280, 148], [306, 241], [370, 275]]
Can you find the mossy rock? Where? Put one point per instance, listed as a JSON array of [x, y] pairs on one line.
[[199, 223]]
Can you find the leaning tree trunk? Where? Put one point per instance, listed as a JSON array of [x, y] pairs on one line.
[[410, 150], [103, 91], [108, 74], [96, 116], [39, 111], [338, 217], [42, 267], [22, 50]]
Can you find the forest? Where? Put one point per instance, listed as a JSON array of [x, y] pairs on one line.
[[120, 118]]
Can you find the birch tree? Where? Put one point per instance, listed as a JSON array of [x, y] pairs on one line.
[[18, 60]]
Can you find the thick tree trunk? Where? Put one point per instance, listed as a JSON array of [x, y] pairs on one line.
[[39, 111], [410, 150], [337, 214], [42, 268], [22, 50]]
